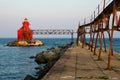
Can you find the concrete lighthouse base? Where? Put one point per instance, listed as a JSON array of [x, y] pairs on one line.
[[26, 43]]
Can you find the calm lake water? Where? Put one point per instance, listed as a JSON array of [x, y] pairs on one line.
[[15, 63]]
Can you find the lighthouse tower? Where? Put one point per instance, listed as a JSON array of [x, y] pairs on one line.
[[25, 33]]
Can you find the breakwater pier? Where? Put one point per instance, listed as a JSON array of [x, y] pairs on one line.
[[79, 63]]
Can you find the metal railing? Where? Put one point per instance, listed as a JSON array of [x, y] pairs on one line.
[[101, 6]]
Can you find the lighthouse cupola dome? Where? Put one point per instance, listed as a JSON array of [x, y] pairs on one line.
[[26, 22]]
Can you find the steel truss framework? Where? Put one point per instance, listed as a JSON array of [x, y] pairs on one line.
[[54, 32], [98, 26]]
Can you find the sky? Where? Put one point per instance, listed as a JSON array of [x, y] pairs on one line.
[[43, 14]]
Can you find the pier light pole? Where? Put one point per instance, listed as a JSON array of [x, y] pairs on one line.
[[72, 36]]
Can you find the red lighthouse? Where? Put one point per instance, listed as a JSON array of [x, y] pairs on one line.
[[25, 33]]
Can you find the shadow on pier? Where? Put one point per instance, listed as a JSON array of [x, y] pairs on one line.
[[80, 64], [105, 19], [90, 62]]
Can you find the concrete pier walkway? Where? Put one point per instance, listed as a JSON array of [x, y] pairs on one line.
[[80, 64]]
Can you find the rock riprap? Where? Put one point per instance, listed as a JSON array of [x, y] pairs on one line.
[[26, 43], [48, 58]]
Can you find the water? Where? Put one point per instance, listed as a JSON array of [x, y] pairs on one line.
[[116, 43], [15, 63]]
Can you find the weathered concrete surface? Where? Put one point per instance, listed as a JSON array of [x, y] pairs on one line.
[[80, 64]]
